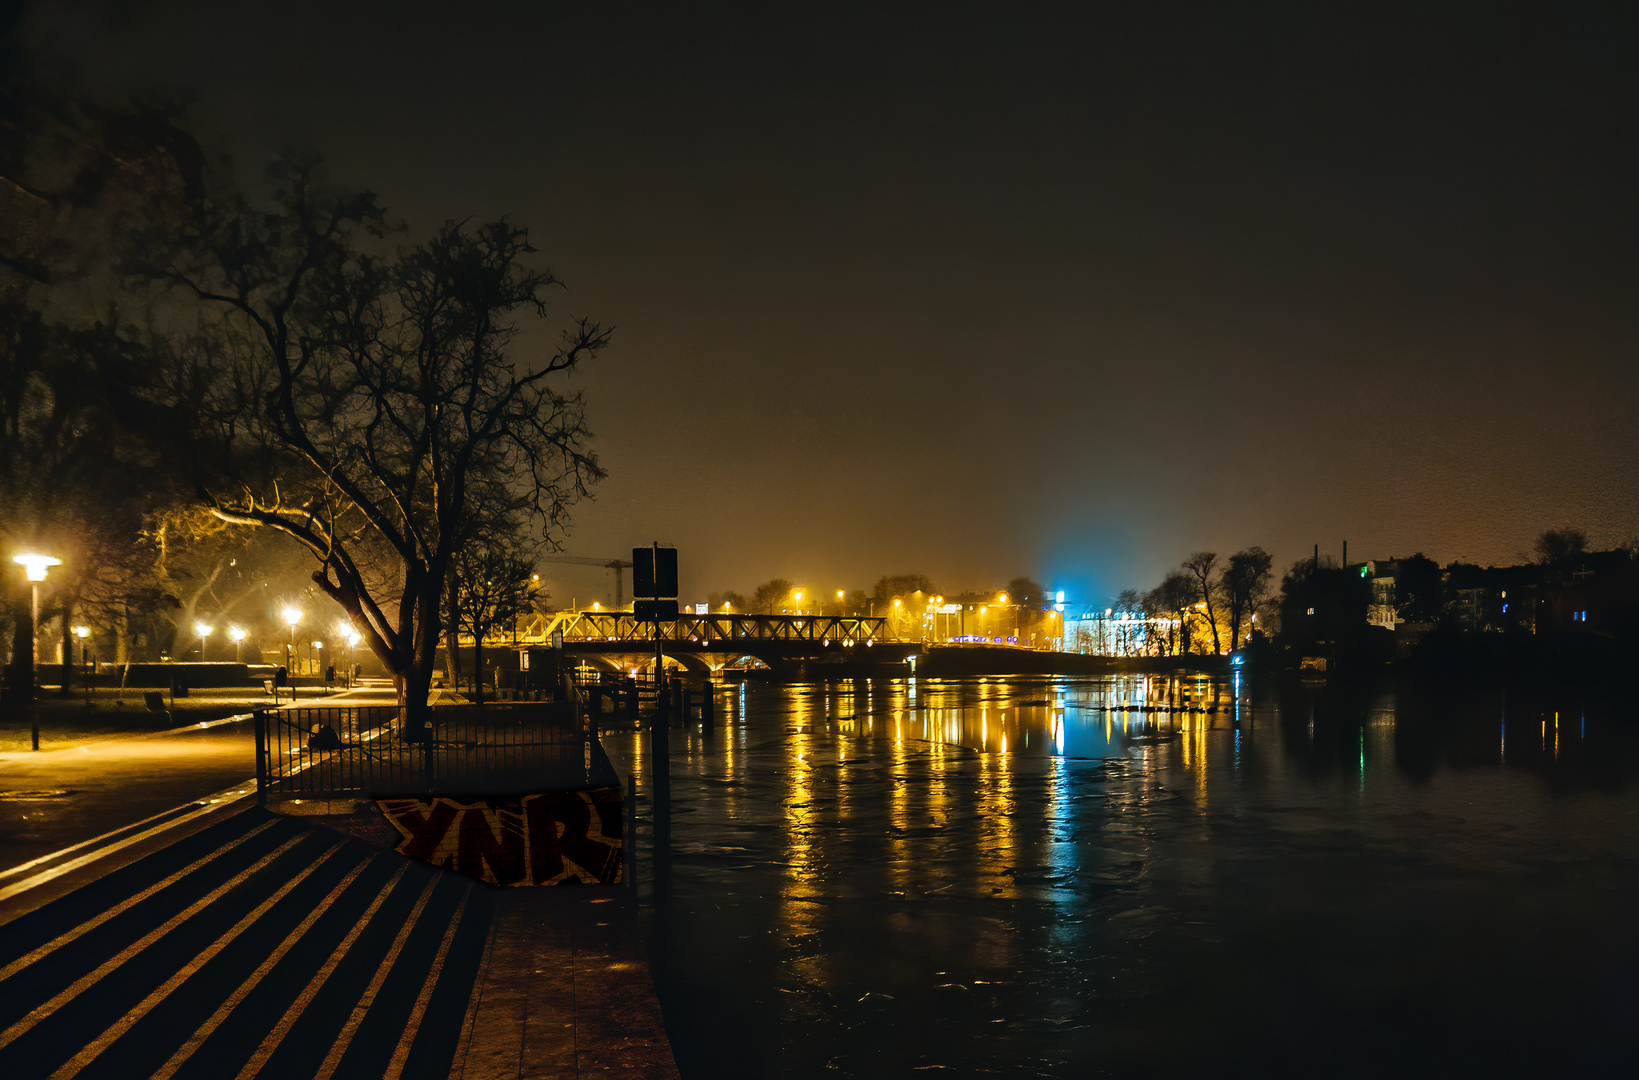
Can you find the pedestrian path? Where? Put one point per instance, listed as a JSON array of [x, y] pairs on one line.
[[260, 946]]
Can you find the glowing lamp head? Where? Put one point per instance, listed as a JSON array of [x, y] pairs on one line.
[[318, 645], [238, 633], [293, 616], [36, 565], [1001, 598], [82, 632], [203, 629]]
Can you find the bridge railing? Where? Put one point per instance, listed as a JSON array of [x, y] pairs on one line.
[[700, 629]]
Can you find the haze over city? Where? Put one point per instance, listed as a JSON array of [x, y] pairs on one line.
[[980, 291]]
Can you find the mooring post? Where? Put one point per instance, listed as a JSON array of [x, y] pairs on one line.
[[708, 707]]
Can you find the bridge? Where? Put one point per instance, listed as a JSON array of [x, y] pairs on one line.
[[616, 640]]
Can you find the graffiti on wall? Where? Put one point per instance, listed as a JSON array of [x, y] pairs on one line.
[[557, 838]]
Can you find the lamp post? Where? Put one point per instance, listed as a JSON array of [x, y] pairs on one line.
[[36, 567], [203, 629], [292, 617], [318, 653], [84, 634], [352, 637], [238, 634]]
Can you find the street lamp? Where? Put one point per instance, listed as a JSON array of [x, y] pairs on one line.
[[203, 630], [84, 634], [797, 597], [293, 615], [352, 637], [36, 567], [238, 634], [318, 647]]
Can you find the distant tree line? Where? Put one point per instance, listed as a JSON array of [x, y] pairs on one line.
[[1206, 606]]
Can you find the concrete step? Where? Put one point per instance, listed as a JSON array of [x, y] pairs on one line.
[[259, 945]]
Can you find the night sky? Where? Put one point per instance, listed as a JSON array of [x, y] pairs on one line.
[[987, 290]]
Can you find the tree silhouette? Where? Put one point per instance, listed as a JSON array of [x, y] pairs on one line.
[[900, 585], [1201, 567], [371, 408], [1244, 582], [1557, 547], [771, 595]]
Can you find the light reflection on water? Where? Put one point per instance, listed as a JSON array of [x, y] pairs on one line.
[[1155, 874]]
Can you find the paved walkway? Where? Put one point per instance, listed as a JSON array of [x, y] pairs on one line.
[[564, 992]]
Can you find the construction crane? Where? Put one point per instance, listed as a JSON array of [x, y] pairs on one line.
[[617, 565]]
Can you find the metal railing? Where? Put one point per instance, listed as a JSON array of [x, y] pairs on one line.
[[336, 751], [606, 626]]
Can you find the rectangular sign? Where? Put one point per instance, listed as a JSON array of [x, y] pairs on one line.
[[654, 572], [654, 610]]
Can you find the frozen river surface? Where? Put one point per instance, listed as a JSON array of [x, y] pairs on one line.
[[1148, 877]]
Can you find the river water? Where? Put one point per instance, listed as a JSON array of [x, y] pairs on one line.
[[1143, 876]]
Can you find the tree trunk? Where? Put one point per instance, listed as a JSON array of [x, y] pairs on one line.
[[20, 684], [122, 636], [68, 651], [1212, 620], [478, 664], [425, 629], [452, 634]]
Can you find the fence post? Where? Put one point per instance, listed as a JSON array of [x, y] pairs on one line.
[[261, 757]]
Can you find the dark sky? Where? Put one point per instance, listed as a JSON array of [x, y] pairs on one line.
[[980, 290]]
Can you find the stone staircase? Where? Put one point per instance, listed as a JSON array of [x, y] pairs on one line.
[[260, 946]]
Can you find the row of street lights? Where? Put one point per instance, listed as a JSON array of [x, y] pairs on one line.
[[37, 566]]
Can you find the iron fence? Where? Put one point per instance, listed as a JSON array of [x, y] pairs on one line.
[[331, 751]]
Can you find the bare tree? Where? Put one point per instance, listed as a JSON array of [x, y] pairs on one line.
[[1130, 606], [491, 586], [1201, 567], [1244, 583], [1555, 547], [367, 405], [771, 595], [1175, 594]]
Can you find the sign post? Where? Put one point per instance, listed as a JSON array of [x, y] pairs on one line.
[[654, 592]]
